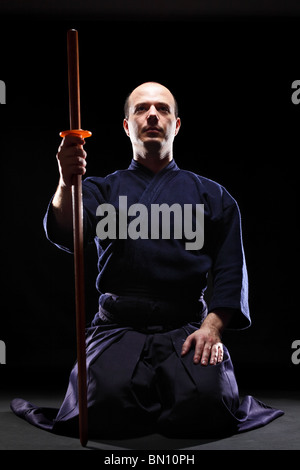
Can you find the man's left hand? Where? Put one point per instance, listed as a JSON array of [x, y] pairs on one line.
[[207, 340]]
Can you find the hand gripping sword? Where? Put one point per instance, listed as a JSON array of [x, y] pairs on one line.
[[75, 129]]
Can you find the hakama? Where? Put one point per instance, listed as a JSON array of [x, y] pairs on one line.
[[139, 384]]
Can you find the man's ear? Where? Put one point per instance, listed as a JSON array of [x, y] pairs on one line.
[[125, 126], [178, 124]]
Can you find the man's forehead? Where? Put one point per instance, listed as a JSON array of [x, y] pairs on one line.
[[151, 93]]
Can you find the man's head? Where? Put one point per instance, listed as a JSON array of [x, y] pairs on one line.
[[126, 105], [151, 120]]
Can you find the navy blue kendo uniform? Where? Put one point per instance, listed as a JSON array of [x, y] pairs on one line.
[[150, 299]]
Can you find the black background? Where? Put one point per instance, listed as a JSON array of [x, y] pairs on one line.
[[232, 78]]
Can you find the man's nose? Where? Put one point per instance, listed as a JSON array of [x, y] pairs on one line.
[[152, 114]]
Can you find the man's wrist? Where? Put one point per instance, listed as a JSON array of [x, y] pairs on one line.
[[219, 318]]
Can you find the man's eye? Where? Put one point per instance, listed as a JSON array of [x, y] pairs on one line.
[[164, 109], [140, 108]]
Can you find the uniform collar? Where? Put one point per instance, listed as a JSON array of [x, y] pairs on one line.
[[134, 165]]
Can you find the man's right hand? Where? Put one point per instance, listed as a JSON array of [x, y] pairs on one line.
[[71, 158]]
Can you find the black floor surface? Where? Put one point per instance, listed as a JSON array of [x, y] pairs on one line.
[[281, 434]]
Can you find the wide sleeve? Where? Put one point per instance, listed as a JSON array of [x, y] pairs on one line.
[[59, 238], [94, 192], [229, 271]]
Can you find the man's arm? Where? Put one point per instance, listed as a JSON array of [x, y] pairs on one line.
[[207, 340], [230, 286], [71, 160]]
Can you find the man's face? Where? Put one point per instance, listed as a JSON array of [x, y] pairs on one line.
[[151, 119]]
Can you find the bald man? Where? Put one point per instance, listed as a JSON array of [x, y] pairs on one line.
[[155, 358]]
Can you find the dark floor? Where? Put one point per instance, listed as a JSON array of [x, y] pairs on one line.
[[281, 434]]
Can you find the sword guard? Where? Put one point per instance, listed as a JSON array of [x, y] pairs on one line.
[[77, 132]]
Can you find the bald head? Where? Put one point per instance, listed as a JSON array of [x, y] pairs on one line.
[[151, 88]]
